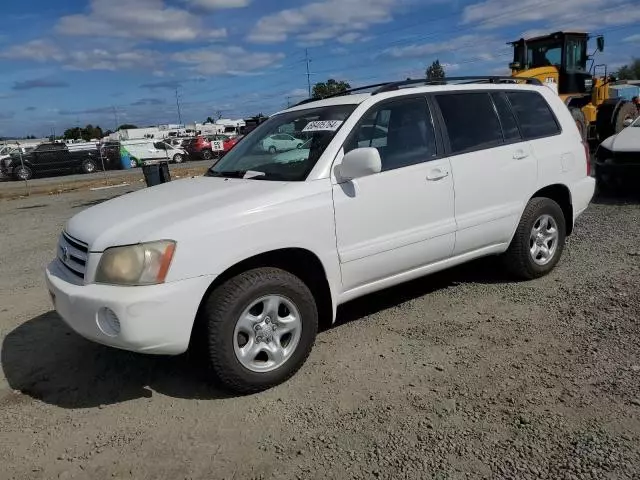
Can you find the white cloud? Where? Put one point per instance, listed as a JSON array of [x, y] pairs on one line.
[[99, 59], [323, 20], [556, 15], [218, 4], [469, 44], [632, 39], [37, 50], [142, 19], [43, 50], [227, 61]]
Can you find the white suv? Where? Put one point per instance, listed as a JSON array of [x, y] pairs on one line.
[[250, 258]]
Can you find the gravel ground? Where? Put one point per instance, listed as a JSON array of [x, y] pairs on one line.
[[459, 375]]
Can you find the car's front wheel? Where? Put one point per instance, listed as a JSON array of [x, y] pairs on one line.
[[22, 172], [539, 240], [88, 166], [261, 326], [178, 158], [207, 155]]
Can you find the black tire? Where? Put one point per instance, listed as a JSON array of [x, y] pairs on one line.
[[89, 166], [207, 155], [22, 173], [627, 111], [273, 149], [178, 158], [518, 258], [224, 306], [581, 121]]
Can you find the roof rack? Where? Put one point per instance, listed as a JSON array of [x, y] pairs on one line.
[[340, 94], [388, 87], [391, 86]]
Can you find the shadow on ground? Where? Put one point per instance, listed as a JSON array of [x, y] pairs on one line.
[[46, 360]]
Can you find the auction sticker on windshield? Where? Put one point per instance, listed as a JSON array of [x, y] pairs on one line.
[[322, 126]]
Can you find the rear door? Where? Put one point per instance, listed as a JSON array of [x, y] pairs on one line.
[[557, 154], [494, 171]]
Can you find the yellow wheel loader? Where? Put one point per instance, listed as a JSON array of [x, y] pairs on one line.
[[561, 61]]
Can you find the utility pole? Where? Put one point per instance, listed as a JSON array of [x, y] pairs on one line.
[[308, 61], [115, 117], [178, 105]]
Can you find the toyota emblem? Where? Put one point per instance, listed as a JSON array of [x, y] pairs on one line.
[[65, 254]]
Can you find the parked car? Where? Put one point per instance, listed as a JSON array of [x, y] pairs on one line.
[[50, 158], [618, 158], [173, 153], [222, 143], [280, 142], [253, 256], [199, 147]]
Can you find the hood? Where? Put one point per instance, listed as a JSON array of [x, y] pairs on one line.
[[158, 212], [628, 140]]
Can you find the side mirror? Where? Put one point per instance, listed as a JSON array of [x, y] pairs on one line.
[[600, 43], [360, 162]]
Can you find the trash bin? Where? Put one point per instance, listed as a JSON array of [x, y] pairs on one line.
[[155, 172]]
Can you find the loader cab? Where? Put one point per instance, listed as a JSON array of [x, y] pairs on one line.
[[561, 55]]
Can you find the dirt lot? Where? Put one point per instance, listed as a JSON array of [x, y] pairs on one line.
[[459, 375]]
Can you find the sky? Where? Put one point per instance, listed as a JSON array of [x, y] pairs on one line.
[[99, 62]]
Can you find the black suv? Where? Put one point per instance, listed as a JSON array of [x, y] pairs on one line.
[[50, 158]]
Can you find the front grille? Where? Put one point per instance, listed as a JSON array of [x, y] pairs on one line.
[[73, 254]]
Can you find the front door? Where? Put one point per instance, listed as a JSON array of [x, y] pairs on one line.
[[402, 218]]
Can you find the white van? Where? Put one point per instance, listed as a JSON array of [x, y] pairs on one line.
[[250, 258]]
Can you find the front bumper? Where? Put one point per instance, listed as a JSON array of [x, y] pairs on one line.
[[155, 319], [619, 169]]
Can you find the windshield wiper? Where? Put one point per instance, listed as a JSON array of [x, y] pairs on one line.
[[227, 174]]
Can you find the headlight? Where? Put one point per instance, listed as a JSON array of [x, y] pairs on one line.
[[143, 264]]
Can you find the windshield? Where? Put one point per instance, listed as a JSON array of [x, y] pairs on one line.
[[544, 53], [268, 153]]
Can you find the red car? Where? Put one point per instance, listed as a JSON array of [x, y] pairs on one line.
[[202, 146]]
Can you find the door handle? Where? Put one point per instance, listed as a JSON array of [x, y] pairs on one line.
[[520, 155], [437, 174]]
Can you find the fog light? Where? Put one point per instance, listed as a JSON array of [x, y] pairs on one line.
[[108, 322]]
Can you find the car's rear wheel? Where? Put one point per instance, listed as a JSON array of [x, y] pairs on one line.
[[272, 149], [88, 166], [178, 158], [207, 155], [22, 173], [539, 240], [261, 326]]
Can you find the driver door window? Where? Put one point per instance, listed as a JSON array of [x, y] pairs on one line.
[[401, 130]]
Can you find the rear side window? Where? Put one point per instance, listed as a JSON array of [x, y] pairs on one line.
[[507, 119], [534, 115], [471, 121]]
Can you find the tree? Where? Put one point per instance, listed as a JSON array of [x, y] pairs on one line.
[[331, 87], [630, 72], [435, 71], [209, 120]]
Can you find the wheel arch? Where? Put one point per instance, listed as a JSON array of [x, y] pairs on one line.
[[560, 194], [301, 262]]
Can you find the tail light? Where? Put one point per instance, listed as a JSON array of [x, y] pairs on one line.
[[587, 155]]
